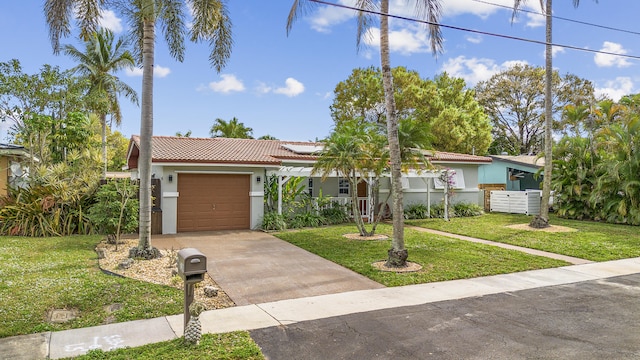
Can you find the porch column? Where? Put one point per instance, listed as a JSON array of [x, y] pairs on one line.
[[429, 197], [279, 195]]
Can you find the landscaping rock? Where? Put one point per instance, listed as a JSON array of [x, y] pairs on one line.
[[126, 263], [210, 291], [539, 222], [147, 254]]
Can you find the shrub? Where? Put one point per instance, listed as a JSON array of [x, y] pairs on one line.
[[437, 211], [307, 219], [462, 209], [116, 208], [273, 221], [335, 214], [416, 211]]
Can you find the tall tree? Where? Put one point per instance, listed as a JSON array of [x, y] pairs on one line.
[[429, 9], [514, 99], [210, 23], [444, 107], [230, 129], [543, 219], [100, 59]]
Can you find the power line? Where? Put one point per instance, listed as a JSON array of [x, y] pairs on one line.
[[561, 18], [571, 47]]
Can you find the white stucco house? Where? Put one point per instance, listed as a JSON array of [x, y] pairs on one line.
[[205, 184]]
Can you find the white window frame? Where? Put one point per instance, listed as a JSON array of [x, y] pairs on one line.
[[344, 187]]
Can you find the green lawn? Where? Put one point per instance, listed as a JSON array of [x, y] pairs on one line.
[[442, 258], [230, 346], [593, 241], [41, 274]]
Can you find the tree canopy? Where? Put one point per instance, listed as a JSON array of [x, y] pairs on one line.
[[514, 102], [444, 107]]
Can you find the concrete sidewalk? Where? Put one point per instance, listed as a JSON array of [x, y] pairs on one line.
[[285, 312]]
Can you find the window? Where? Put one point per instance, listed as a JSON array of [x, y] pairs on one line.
[[343, 187], [310, 187]]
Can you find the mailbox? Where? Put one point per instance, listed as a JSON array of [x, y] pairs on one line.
[[192, 265]]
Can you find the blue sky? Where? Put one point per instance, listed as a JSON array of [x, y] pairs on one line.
[[283, 86]]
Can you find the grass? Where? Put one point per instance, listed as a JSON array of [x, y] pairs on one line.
[[41, 274], [593, 241], [442, 258], [236, 345]]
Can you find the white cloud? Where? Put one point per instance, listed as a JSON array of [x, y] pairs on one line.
[[615, 89], [535, 20], [457, 7], [109, 20], [292, 88], [228, 84], [475, 39], [328, 16], [606, 60], [158, 71], [404, 41], [474, 70]]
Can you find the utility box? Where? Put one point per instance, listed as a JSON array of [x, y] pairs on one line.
[[192, 265], [516, 202]]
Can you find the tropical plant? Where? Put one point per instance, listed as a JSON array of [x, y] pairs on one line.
[[230, 129], [464, 209], [416, 211], [100, 59], [56, 200], [273, 221], [353, 151], [210, 23], [575, 178]]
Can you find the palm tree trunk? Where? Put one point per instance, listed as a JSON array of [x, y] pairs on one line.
[[548, 141], [146, 133], [397, 254], [103, 120]]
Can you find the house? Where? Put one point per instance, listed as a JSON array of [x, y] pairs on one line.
[[208, 184], [517, 173], [14, 166]]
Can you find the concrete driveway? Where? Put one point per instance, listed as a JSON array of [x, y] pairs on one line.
[[254, 267]]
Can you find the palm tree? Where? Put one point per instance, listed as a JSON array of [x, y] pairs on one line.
[[354, 149], [425, 9], [542, 220], [231, 129], [210, 23], [97, 64]]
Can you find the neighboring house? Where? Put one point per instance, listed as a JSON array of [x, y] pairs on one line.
[[14, 166], [218, 183], [510, 173], [516, 173]]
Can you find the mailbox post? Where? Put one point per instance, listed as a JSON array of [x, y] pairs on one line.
[[192, 265]]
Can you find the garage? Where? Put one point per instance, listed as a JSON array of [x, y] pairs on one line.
[[210, 202]]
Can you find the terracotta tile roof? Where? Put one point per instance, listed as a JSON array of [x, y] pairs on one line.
[[171, 149], [222, 150]]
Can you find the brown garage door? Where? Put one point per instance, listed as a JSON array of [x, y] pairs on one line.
[[213, 202]]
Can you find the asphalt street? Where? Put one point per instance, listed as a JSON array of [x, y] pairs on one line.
[[597, 319]]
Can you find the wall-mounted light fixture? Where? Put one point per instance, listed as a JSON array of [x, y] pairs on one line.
[[170, 178], [258, 179]]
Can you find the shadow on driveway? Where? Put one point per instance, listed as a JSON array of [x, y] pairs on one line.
[[254, 267]]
